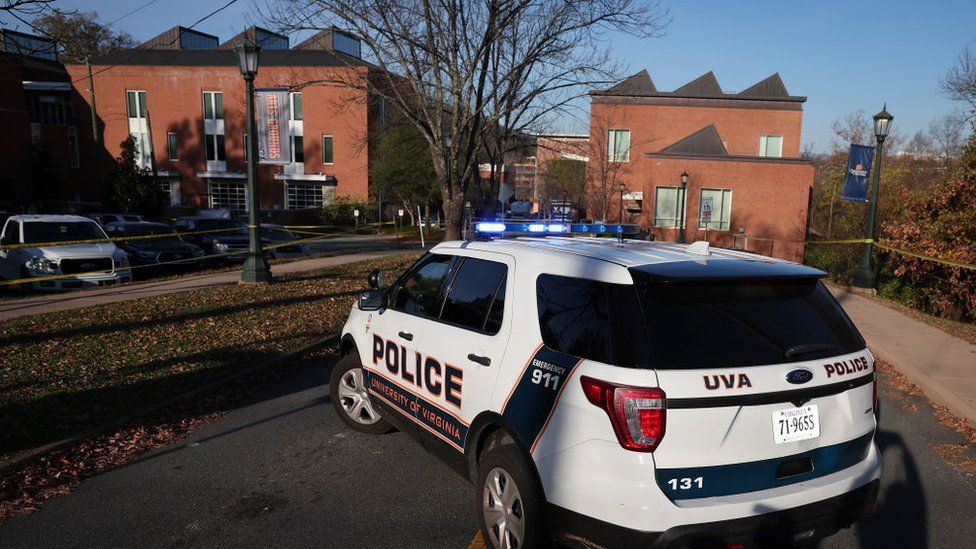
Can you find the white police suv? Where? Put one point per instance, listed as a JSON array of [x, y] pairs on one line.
[[604, 393]]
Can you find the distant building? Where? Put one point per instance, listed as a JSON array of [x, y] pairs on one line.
[[181, 96], [42, 168], [740, 151]]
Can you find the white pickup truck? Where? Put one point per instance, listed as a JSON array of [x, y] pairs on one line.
[[54, 260]]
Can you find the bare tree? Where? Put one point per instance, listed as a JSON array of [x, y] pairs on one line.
[[604, 174], [946, 135], [959, 82], [23, 11], [858, 127], [465, 73], [919, 145]]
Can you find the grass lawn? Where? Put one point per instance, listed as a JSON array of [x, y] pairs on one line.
[[62, 373]]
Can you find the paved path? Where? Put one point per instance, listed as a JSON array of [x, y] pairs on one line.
[[942, 365], [283, 471], [45, 303]]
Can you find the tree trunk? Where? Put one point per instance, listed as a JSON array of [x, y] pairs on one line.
[[453, 216]]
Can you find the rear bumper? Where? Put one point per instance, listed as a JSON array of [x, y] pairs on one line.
[[776, 529]]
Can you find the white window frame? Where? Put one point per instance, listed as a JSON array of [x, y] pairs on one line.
[[611, 145], [291, 106], [332, 140], [764, 145], [683, 208], [725, 224], [292, 186], [213, 127], [215, 184], [139, 127]]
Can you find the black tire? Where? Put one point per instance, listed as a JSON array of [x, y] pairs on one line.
[[506, 458], [346, 390]]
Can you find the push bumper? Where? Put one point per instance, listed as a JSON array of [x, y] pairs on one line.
[[798, 525]]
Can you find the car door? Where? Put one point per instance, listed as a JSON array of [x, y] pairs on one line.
[[396, 335], [469, 342]]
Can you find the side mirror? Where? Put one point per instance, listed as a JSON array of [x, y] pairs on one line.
[[375, 279], [371, 300]]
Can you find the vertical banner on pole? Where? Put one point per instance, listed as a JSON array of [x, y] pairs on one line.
[[272, 110], [858, 173]]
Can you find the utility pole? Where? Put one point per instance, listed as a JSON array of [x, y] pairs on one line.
[[91, 102]]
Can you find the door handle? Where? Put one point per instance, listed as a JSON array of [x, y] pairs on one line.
[[406, 335], [483, 360]]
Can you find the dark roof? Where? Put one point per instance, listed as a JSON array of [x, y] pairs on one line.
[[772, 86], [173, 39], [225, 58], [262, 37], [705, 86], [638, 84], [704, 142]]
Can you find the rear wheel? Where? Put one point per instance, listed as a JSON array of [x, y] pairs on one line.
[[351, 400], [509, 500]]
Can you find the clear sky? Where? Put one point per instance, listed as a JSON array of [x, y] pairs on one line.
[[842, 55]]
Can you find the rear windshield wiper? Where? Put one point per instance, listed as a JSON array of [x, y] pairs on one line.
[[807, 348]]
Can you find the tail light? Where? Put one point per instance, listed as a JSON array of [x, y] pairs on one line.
[[637, 414]]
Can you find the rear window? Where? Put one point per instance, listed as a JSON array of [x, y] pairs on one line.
[[216, 223], [728, 325]]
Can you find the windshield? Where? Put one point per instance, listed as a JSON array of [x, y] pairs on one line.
[[64, 231], [727, 325], [147, 229], [216, 223]]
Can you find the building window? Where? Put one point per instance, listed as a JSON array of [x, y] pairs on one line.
[[715, 209], [297, 149], [327, 149], [73, 152], [306, 195], [136, 103], [771, 145], [172, 146], [52, 109], [230, 195], [213, 105], [170, 192], [296, 106], [618, 146], [215, 147], [667, 210]]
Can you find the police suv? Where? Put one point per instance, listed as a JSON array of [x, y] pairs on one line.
[[618, 393]]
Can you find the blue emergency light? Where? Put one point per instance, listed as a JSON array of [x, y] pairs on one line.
[[502, 228]]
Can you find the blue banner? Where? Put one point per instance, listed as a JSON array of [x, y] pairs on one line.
[[858, 173]]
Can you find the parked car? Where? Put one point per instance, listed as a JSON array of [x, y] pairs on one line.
[[165, 250], [104, 219], [277, 235], [89, 264], [228, 237]]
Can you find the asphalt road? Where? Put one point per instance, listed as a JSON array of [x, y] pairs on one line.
[[284, 472]]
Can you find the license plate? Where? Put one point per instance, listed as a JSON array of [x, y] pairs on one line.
[[796, 424]]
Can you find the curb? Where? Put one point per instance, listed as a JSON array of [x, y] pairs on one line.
[[28, 456], [934, 391]]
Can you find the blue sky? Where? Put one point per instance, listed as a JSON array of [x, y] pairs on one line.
[[843, 56]]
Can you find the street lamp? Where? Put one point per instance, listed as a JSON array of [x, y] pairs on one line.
[[681, 207], [623, 189], [256, 268], [882, 126]]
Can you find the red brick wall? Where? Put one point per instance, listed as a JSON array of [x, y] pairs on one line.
[[174, 101]]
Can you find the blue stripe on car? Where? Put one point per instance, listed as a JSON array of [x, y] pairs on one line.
[[531, 403]]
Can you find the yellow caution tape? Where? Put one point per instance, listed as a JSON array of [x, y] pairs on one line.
[[110, 240], [928, 257]]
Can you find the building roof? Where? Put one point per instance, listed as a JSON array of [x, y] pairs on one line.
[[226, 58], [666, 259], [178, 38], [705, 86], [704, 142], [262, 37]]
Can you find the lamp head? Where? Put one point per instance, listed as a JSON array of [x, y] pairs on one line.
[[247, 56], [882, 123]]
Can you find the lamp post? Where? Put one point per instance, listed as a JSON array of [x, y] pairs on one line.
[[882, 125], [623, 189], [256, 268], [681, 207]]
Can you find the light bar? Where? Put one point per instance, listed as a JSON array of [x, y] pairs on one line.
[[539, 228]]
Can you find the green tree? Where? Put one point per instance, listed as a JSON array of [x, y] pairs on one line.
[[403, 169], [133, 191], [79, 35]]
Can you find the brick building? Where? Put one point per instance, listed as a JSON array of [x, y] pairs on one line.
[[41, 168], [182, 97], [740, 151]]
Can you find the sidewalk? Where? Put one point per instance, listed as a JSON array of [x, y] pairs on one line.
[[942, 365], [36, 304]]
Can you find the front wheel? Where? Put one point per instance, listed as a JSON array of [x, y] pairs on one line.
[[509, 501], [351, 400]]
